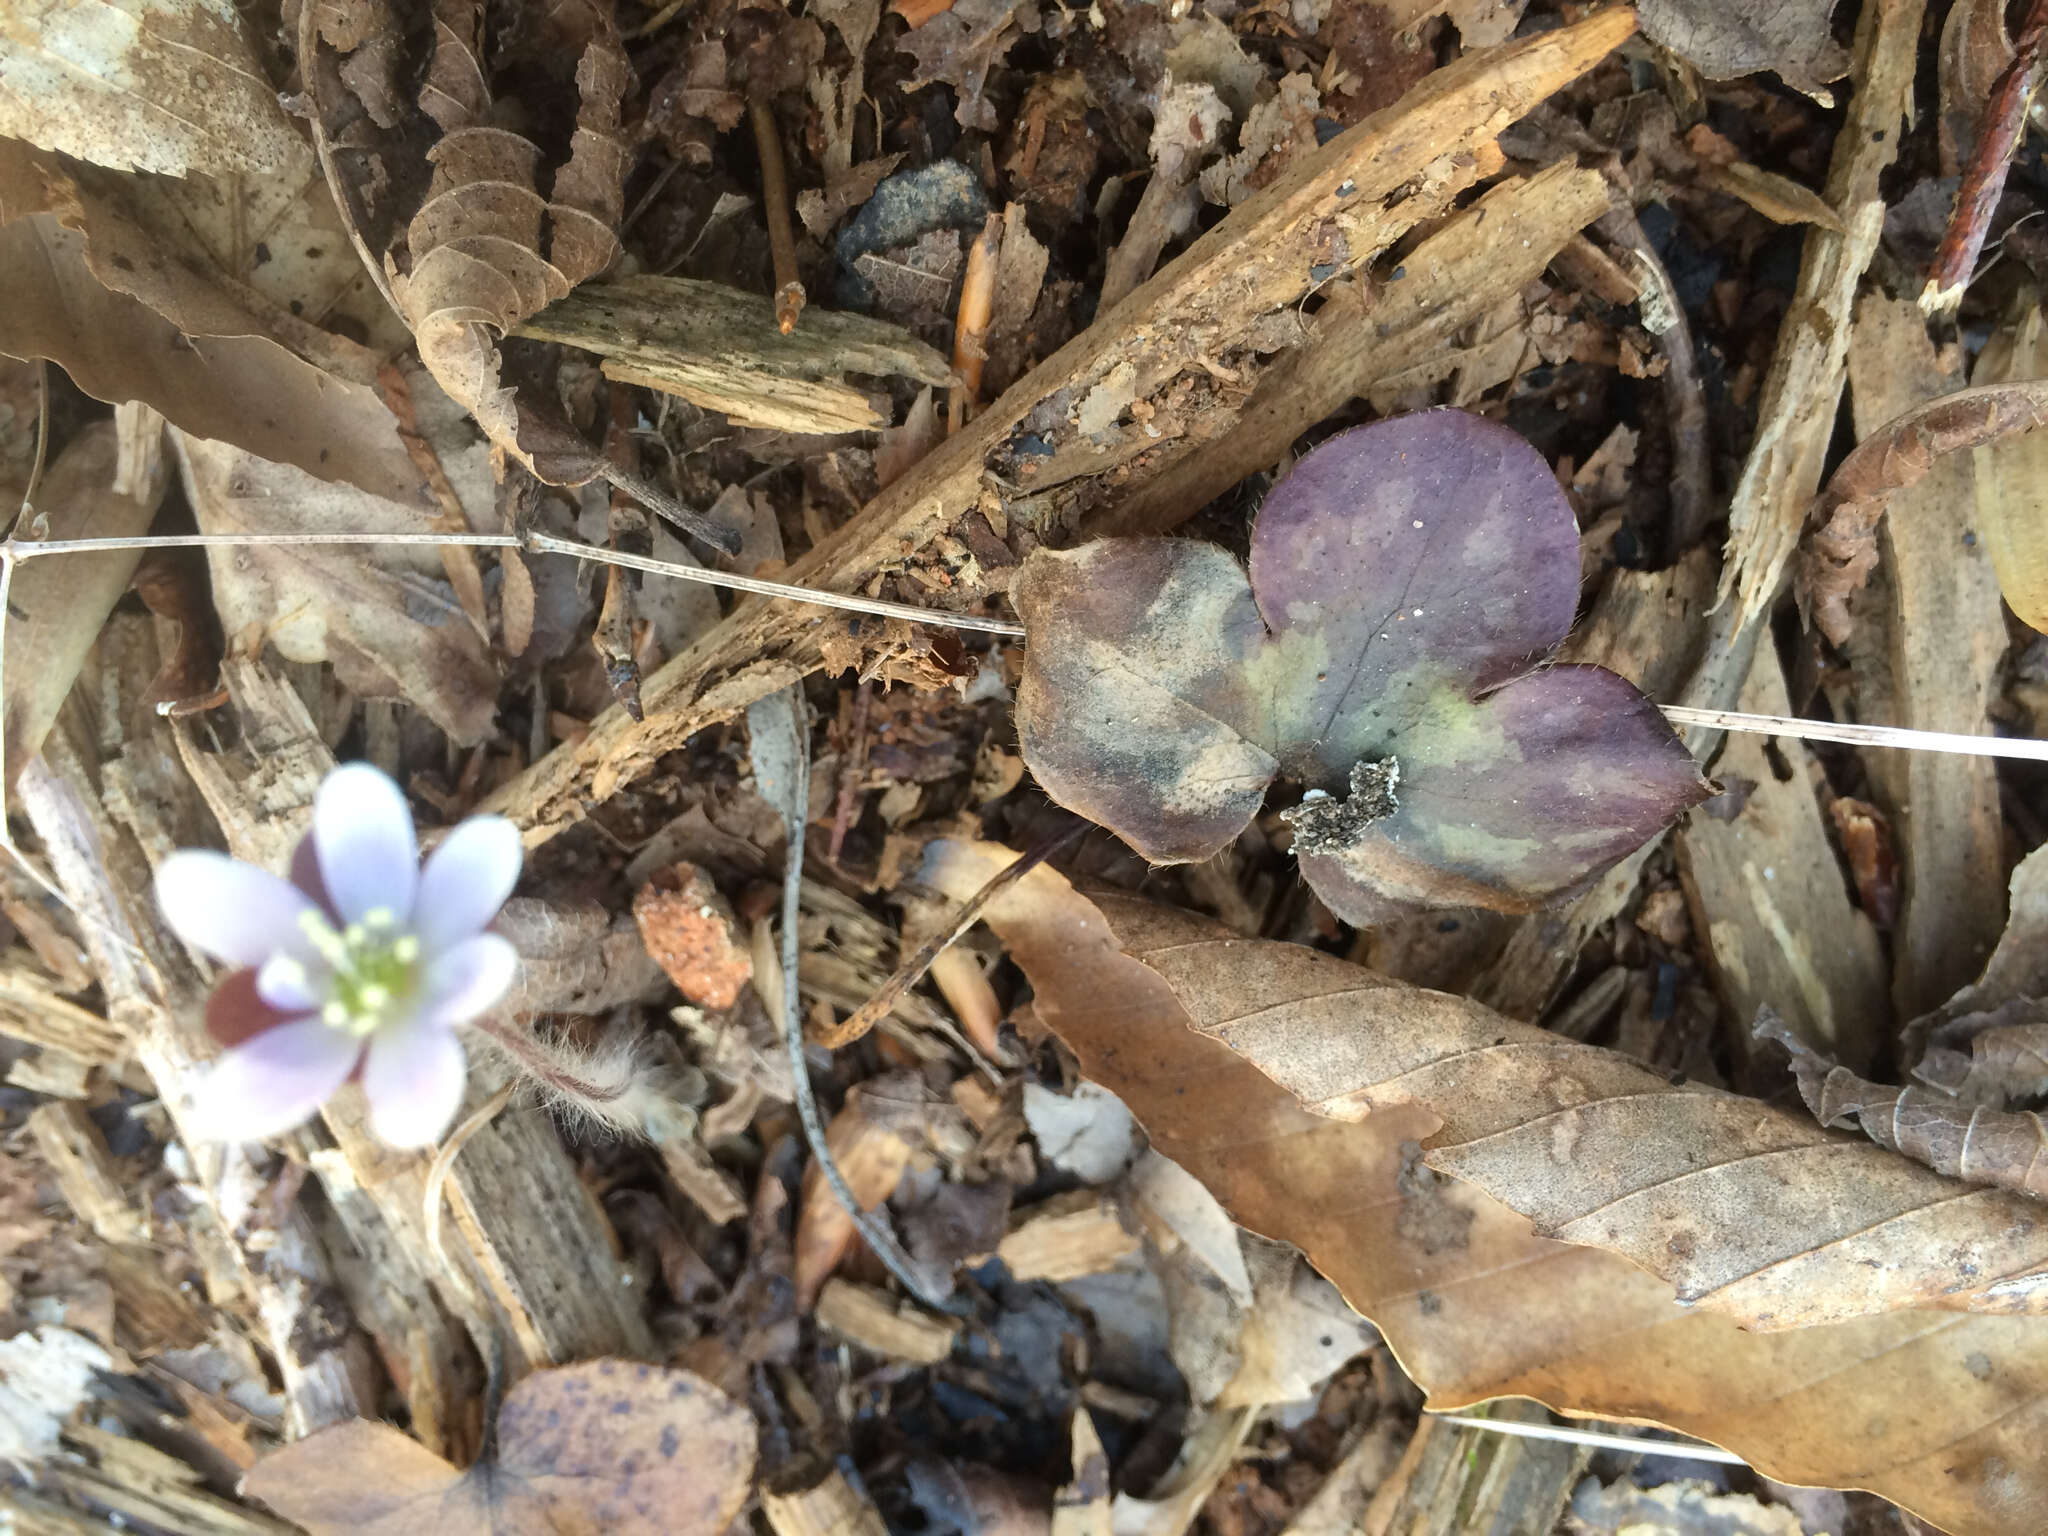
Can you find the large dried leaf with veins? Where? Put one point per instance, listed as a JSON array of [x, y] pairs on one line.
[[1406, 580], [170, 86], [1942, 1412], [1744, 1208]]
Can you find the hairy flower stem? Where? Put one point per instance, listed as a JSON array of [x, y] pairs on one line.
[[548, 1068]]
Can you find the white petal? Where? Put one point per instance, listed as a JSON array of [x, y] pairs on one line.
[[290, 984], [362, 828], [273, 1081], [468, 979], [234, 911], [413, 1080], [466, 880]]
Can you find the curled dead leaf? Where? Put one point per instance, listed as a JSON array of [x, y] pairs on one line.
[[481, 249], [1841, 549], [1962, 1140]]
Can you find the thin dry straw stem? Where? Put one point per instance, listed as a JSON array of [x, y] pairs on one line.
[[1860, 735], [540, 543], [1684, 1450], [1901, 737]]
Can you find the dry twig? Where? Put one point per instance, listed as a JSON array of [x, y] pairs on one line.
[[789, 288], [1998, 138]]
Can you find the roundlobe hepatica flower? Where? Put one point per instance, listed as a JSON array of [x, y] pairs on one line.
[[363, 964]]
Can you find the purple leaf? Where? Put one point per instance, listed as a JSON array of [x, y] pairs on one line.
[[1405, 580]]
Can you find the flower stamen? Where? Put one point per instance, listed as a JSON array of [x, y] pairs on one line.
[[372, 969]]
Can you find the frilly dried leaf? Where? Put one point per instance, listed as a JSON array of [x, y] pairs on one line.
[[1405, 579], [2007, 1062], [1977, 1145], [486, 249]]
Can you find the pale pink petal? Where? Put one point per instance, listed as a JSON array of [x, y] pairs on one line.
[[290, 984], [231, 910], [272, 1081], [362, 828], [466, 880], [468, 979], [413, 1080]]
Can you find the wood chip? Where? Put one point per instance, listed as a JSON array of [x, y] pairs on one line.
[[1066, 1237], [1944, 634], [87, 1176], [709, 1187], [875, 1321], [829, 1507]]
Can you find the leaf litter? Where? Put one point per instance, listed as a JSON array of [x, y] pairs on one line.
[[1226, 268]]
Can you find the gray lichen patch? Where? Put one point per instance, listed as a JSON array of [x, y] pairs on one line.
[[1326, 825]]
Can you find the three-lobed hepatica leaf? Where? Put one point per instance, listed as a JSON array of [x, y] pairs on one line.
[[1406, 581]]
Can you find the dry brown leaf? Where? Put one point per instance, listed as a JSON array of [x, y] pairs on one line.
[[607, 1446], [1477, 1307], [1842, 552], [1726, 38], [56, 606], [872, 1155], [960, 47], [248, 255], [385, 616], [238, 387], [170, 86], [1963, 1141], [1744, 1209], [576, 957], [1778, 198]]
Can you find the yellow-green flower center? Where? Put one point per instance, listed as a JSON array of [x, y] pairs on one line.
[[372, 969]]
